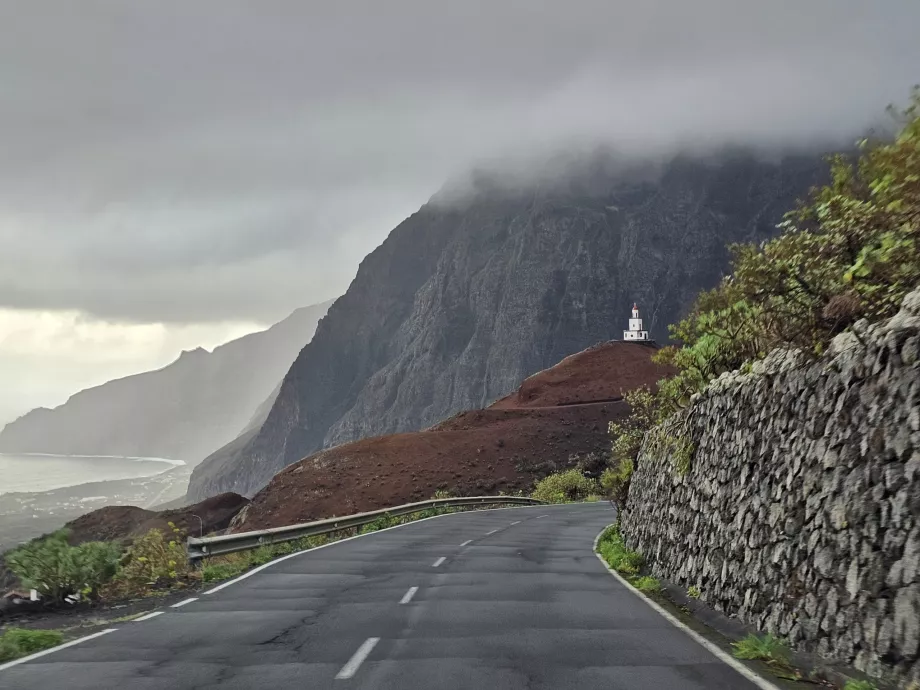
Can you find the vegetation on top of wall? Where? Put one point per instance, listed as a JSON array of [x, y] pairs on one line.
[[850, 252], [645, 416]]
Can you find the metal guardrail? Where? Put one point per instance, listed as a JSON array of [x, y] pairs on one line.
[[203, 547]]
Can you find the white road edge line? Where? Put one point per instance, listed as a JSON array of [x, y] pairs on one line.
[[149, 616], [184, 602], [438, 562], [517, 522], [713, 649], [262, 567], [492, 532], [407, 597], [468, 541], [24, 659], [350, 668]]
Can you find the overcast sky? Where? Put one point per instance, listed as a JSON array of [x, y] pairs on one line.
[[174, 174]]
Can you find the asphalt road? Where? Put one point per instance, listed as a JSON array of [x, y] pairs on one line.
[[486, 600]]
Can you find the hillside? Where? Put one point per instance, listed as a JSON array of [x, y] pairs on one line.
[[184, 410], [469, 296], [504, 447]]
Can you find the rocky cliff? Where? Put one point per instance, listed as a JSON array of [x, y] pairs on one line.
[[185, 410], [800, 513], [469, 296]]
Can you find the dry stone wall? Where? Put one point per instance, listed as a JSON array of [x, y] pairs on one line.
[[800, 514]]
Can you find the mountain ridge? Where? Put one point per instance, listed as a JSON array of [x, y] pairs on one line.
[[183, 410]]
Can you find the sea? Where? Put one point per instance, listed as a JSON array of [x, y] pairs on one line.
[[41, 472]]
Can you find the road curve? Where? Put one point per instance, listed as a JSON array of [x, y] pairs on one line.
[[485, 600]]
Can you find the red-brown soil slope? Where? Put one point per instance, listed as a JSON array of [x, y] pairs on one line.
[[556, 415], [126, 522]]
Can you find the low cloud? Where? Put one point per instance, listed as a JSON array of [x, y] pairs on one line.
[[224, 160]]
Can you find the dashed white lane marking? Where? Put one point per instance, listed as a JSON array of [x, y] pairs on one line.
[[492, 532], [148, 616], [468, 541], [255, 571], [24, 659], [438, 562], [183, 603], [349, 669], [407, 597], [516, 522], [539, 516]]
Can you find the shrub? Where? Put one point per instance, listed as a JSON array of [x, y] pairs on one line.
[[58, 570], [762, 648], [694, 592], [628, 435], [860, 685], [17, 642], [647, 584], [153, 561], [563, 487], [612, 549]]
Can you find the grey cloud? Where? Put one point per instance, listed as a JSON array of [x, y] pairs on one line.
[[222, 159]]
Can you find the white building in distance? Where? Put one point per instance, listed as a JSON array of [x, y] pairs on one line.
[[635, 331]]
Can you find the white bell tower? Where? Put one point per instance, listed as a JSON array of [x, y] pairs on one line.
[[635, 331]]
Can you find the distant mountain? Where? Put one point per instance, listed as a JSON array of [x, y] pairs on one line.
[[475, 292], [185, 410]]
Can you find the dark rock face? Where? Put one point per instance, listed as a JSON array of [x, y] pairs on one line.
[[464, 300], [185, 410], [800, 514]]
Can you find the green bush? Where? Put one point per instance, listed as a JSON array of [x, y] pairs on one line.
[[57, 570], [612, 549], [647, 584], [860, 685], [17, 642], [762, 648], [563, 487], [153, 561]]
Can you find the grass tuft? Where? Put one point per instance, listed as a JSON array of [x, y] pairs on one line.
[[18, 642], [647, 584], [614, 552], [860, 685], [766, 648]]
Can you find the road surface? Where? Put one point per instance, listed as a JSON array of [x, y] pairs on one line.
[[486, 600]]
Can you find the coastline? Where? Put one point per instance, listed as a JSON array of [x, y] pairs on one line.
[[29, 513], [98, 468], [170, 461], [25, 515]]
